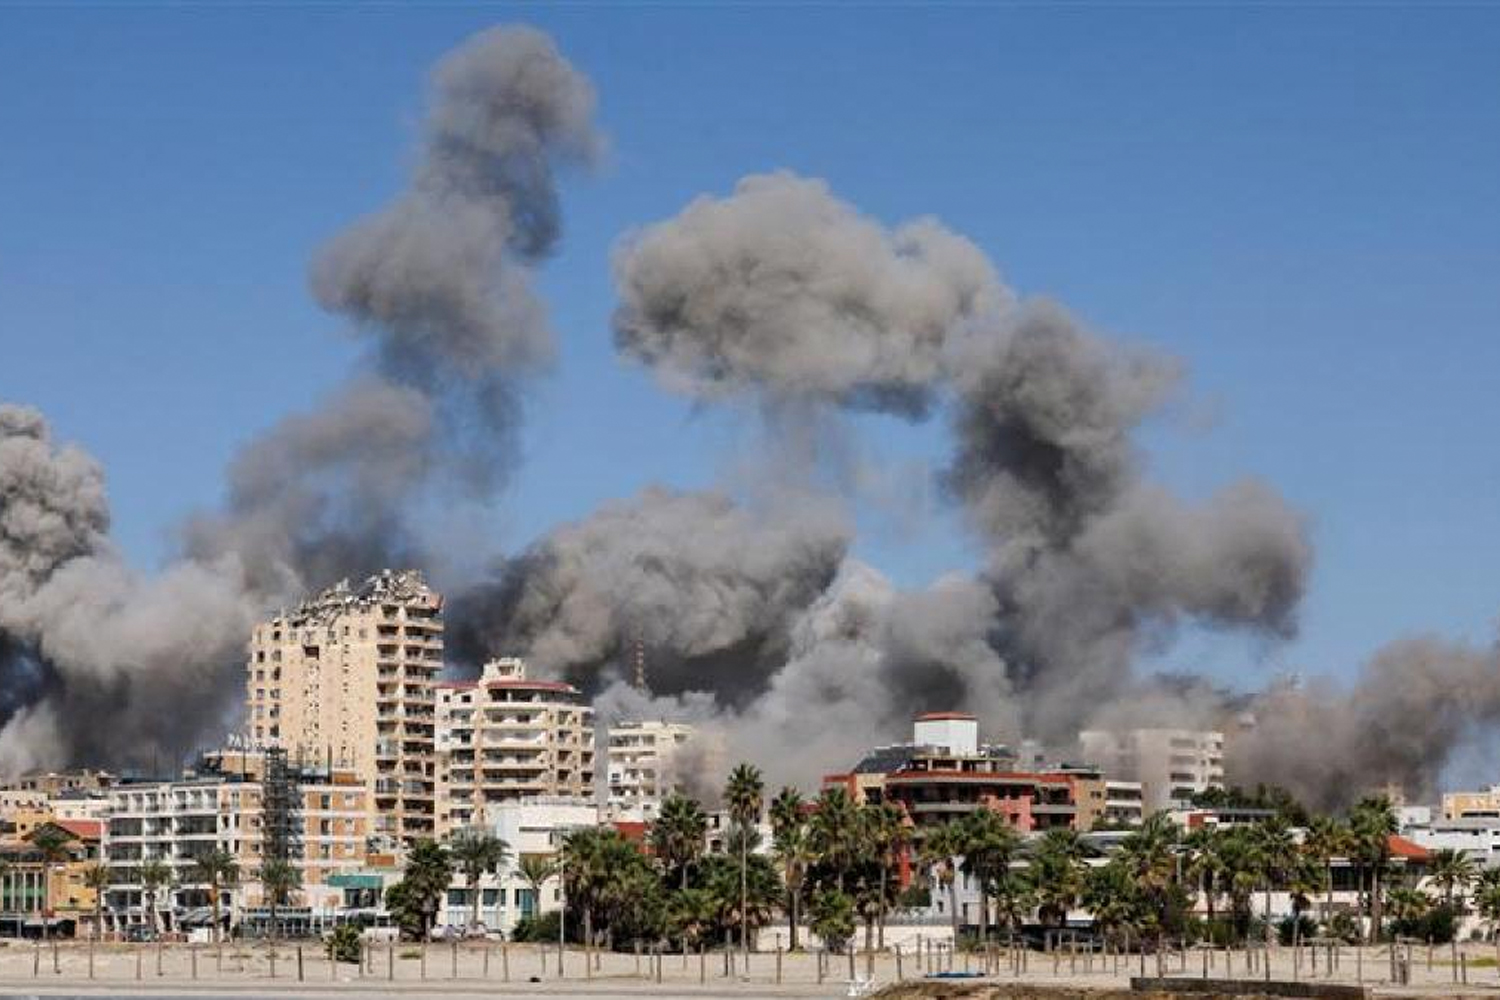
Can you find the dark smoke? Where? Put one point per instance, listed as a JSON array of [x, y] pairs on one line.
[[440, 281]]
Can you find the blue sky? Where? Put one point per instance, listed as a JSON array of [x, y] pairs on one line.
[[1303, 204]]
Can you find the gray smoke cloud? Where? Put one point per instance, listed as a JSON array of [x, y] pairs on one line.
[[782, 293], [707, 584], [1411, 710], [440, 282]]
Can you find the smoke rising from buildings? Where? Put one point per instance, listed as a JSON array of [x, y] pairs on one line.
[[440, 281]]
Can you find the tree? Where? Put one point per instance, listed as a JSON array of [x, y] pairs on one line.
[[691, 913], [1372, 823], [1057, 874], [96, 878], [51, 842], [1487, 900], [1452, 871], [886, 835], [592, 859], [677, 835], [939, 849], [744, 793], [536, 870], [989, 846], [1326, 839], [835, 832], [1276, 852], [832, 918], [218, 869], [792, 844], [155, 875], [415, 899], [1204, 864], [279, 878], [475, 853], [1110, 893], [1149, 856]]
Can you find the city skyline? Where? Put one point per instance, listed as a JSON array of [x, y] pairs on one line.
[[1270, 410]]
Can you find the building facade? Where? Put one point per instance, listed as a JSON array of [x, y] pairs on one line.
[[506, 739], [643, 766], [348, 677], [1171, 765]]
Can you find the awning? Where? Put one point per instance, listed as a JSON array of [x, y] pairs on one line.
[[352, 881]]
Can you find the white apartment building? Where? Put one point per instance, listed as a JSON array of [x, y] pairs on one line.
[[642, 762], [1171, 765], [348, 676], [533, 828], [1124, 802], [505, 739]]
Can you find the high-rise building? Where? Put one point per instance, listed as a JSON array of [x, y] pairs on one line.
[[348, 677], [1172, 765], [505, 738], [646, 764]]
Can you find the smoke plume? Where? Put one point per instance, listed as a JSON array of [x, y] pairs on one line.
[[440, 282]]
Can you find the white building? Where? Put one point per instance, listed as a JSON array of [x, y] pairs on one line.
[[534, 828], [1172, 765], [643, 759]]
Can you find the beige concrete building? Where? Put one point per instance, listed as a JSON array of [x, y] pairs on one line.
[[1472, 805], [646, 763], [348, 677], [1171, 765], [507, 739]]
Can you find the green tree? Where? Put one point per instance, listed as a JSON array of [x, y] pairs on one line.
[[1487, 900], [155, 875], [595, 864], [536, 870], [886, 835], [835, 832], [1372, 822], [791, 842], [1057, 862], [832, 918], [1452, 871], [989, 847], [475, 853], [1110, 893], [677, 835], [1277, 853], [96, 878], [279, 878], [940, 848], [415, 899], [744, 794], [1150, 858], [1326, 840], [218, 870]]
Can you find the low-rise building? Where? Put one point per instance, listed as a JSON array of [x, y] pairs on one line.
[[41, 895]]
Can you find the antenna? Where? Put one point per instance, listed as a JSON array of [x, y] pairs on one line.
[[640, 661]]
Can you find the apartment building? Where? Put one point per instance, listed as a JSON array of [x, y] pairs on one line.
[[1465, 805], [251, 804], [348, 677], [1171, 765], [38, 896], [506, 738], [645, 761]]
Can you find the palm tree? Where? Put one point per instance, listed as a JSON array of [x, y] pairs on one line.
[[425, 880], [1205, 864], [677, 834], [51, 842], [279, 878], [792, 844], [1057, 873], [155, 875], [1326, 839], [1452, 871], [536, 870], [96, 878], [1149, 856], [1487, 901], [886, 834], [477, 852], [1277, 854], [219, 869], [744, 793], [989, 846], [835, 832], [1373, 822], [940, 847]]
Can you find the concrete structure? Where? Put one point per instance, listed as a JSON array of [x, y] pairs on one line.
[[509, 739], [1172, 765], [1457, 805], [316, 818], [35, 892], [533, 828], [957, 733], [642, 762], [348, 676]]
